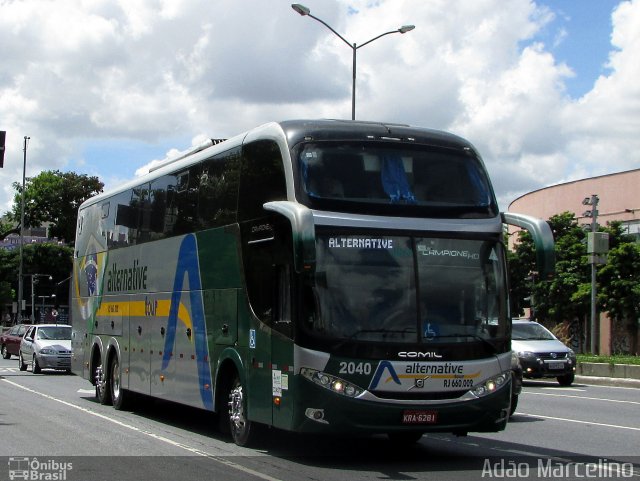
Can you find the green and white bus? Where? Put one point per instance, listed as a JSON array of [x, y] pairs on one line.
[[314, 276]]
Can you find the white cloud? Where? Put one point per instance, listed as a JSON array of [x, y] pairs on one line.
[[76, 71]]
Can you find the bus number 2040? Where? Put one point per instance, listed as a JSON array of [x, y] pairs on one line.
[[355, 368]]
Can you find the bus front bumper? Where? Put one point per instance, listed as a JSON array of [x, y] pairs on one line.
[[322, 411]]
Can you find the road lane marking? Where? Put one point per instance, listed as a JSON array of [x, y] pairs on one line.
[[552, 418], [583, 397], [565, 389], [150, 434]]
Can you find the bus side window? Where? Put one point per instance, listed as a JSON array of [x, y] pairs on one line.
[[262, 178], [218, 190], [186, 197], [122, 221]]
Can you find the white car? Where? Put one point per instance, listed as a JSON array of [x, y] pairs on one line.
[[46, 346]]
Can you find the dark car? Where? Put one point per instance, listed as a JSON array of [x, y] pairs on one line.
[[10, 340], [541, 354]]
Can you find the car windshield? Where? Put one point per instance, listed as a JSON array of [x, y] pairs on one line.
[[530, 331], [57, 333]]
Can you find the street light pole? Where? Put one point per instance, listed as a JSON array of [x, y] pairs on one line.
[[305, 12], [21, 268], [34, 281], [593, 213]]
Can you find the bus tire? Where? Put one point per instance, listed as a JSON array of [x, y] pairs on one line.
[[240, 427], [120, 397], [103, 393], [514, 404]]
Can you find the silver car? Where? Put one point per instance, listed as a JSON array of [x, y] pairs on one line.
[[46, 346], [541, 354]]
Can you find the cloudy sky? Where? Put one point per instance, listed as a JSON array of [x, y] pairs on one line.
[[547, 90]]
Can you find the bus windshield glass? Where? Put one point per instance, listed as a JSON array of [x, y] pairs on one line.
[[393, 179], [409, 289]]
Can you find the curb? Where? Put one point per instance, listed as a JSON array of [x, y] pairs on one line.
[[608, 381]]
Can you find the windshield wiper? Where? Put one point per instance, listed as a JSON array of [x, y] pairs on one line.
[[494, 349], [383, 331]]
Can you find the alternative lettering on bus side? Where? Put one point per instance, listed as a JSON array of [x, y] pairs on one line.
[[128, 279]]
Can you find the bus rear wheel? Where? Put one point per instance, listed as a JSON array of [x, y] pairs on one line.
[[240, 427], [119, 396]]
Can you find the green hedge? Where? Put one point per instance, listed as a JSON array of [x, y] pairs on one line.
[[620, 359]]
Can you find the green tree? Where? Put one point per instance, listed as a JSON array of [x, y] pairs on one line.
[[48, 259], [619, 292], [53, 196], [553, 299], [567, 295], [8, 276]]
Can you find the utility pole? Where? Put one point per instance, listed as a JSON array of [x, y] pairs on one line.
[[597, 247], [21, 302]]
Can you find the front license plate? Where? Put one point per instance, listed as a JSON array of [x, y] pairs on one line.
[[556, 365], [418, 416]]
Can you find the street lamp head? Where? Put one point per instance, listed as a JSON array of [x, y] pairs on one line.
[[406, 28], [301, 9]]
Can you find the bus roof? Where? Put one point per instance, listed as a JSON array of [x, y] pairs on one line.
[[297, 131]]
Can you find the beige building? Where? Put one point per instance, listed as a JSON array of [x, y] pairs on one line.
[[618, 194]]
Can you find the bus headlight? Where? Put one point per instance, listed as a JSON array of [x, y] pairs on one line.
[[491, 385], [333, 383]]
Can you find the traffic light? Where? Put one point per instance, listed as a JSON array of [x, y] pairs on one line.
[[3, 136]]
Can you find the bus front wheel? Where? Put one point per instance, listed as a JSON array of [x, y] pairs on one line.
[[240, 427]]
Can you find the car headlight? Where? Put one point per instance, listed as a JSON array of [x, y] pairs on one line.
[[333, 383], [527, 354], [48, 351], [491, 385]]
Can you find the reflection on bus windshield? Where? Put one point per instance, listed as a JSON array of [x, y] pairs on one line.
[[359, 172], [367, 289]]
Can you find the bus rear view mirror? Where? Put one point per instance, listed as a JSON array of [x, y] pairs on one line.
[[303, 230], [542, 239]]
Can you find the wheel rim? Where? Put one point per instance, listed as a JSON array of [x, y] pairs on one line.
[[4, 351], [99, 377], [236, 411], [115, 380]]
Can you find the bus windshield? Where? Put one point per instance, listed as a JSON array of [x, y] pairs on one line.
[[377, 178], [409, 289]]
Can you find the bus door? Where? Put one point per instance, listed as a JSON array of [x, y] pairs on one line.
[[282, 348]]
